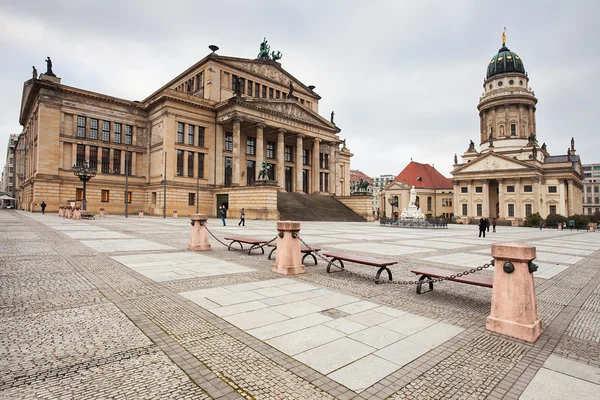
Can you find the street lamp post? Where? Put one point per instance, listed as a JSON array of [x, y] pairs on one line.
[[84, 173]]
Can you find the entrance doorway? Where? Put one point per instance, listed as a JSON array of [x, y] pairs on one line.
[[222, 200]]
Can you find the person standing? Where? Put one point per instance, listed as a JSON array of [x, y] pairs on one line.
[[487, 224], [223, 214], [494, 225], [482, 226], [541, 224], [242, 218], [43, 205]]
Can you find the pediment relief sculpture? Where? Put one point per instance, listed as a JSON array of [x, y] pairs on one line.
[[267, 71], [492, 164], [292, 110]]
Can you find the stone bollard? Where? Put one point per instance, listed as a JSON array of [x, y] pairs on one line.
[[102, 213], [141, 214], [198, 233], [61, 211], [288, 256], [77, 214], [174, 214], [514, 310], [67, 212]]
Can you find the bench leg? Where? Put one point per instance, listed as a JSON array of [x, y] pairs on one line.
[[235, 241], [272, 251], [379, 273], [331, 263], [309, 254], [256, 246], [420, 283]]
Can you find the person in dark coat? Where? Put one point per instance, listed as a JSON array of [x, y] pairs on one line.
[[223, 214], [242, 218], [494, 224], [487, 224], [43, 205], [482, 226]]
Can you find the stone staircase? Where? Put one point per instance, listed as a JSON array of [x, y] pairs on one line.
[[313, 207]]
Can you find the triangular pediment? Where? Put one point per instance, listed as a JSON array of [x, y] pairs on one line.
[[269, 71], [492, 162], [291, 109]]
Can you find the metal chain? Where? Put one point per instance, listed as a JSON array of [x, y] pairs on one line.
[[451, 277], [233, 248]]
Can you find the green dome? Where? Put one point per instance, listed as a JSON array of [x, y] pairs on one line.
[[503, 62]]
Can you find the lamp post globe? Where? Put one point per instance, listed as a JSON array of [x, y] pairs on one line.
[[84, 172]]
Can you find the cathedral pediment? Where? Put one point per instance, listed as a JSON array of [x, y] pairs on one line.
[[491, 163], [293, 110]]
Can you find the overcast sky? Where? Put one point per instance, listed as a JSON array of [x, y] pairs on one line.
[[404, 77]]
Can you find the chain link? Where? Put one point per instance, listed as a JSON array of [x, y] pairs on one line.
[[233, 248], [405, 282]]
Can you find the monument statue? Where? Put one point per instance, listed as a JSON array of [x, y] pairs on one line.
[[49, 67], [34, 72], [237, 86], [276, 55], [455, 159], [534, 151], [343, 142], [573, 144], [332, 114], [544, 146], [291, 92], [471, 146], [264, 50], [413, 197], [491, 140], [264, 171]]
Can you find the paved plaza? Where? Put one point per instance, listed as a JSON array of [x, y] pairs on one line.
[[119, 308]]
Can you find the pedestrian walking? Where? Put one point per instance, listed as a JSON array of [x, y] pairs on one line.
[[242, 218], [43, 205], [541, 224], [223, 214], [482, 226], [494, 222], [487, 224]]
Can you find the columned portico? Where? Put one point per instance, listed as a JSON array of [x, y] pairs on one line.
[[260, 147], [281, 158], [298, 160], [316, 178]]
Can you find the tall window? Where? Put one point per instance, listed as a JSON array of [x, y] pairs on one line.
[[264, 92], [105, 160], [80, 155], [106, 131], [528, 209], [94, 157], [511, 210], [464, 210], [305, 156], [228, 141], [191, 129], [277, 94], [105, 196], [128, 134], [117, 161], [179, 132], [128, 162], [513, 129], [464, 189], [79, 194], [249, 87], [93, 128], [251, 146], [191, 199], [200, 165], [243, 85], [117, 137], [179, 162], [288, 153], [190, 164], [324, 160], [256, 90], [479, 210], [200, 136], [250, 172], [429, 204], [270, 149], [271, 93], [228, 170], [553, 210], [80, 126]]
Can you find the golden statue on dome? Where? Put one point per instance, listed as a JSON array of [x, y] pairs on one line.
[[504, 37]]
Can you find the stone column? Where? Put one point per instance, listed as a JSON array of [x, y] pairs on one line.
[[531, 123], [536, 195], [133, 171], [519, 112], [518, 204], [570, 198], [514, 310], [316, 168], [185, 162], [494, 126], [561, 192], [501, 198], [298, 187], [236, 168], [198, 233], [470, 204], [332, 169], [219, 160], [260, 148], [455, 196], [288, 255], [486, 199], [281, 158]]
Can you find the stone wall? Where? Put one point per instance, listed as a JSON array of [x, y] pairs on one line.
[[362, 205]]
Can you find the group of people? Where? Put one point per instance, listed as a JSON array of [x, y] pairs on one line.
[[223, 211], [484, 225]]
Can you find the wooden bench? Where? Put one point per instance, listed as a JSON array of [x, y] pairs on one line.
[[85, 215], [433, 272], [375, 262], [305, 250], [255, 243]]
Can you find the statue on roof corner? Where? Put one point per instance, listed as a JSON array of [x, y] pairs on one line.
[[291, 92], [49, 67], [34, 72], [276, 55], [573, 144], [332, 115], [455, 159], [264, 50], [471, 146]]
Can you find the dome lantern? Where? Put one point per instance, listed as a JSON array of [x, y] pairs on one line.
[[505, 61]]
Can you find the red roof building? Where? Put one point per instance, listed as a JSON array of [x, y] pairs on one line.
[[356, 175], [423, 176]]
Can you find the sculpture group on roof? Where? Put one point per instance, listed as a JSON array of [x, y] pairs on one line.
[[263, 53]]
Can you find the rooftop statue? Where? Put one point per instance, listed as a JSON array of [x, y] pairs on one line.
[[276, 55], [291, 92], [264, 50], [237, 86], [455, 159], [332, 115], [49, 67], [573, 144], [471, 146], [34, 72]]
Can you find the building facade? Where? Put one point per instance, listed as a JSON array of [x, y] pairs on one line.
[[198, 142], [434, 192], [512, 175], [591, 189], [7, 182]]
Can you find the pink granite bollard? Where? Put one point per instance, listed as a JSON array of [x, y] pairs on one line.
[[77, 214], [199, 233], [61, 211], [68, 213], [514, 310], [141, 214], [102, 213], [288, 255], [174, 214]]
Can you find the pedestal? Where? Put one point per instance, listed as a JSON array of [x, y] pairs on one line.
[[288, 260], [141, 214], [199, 233], [514, 310], [101, 213]]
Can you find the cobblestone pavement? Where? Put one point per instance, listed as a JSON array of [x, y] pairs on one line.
[[77, 322]]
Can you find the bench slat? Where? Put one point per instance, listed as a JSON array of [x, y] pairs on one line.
[[376, 262]]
